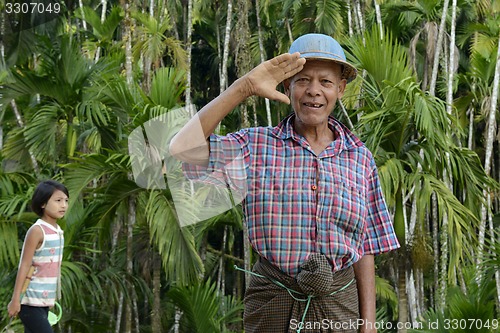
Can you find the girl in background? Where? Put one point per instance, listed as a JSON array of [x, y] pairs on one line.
[[41, 259]]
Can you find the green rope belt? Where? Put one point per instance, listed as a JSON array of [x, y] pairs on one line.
[[291, 292]]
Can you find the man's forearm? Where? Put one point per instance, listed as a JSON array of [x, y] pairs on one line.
[[190, 144], [364, 271]]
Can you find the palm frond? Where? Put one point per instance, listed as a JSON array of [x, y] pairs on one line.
[[167, 87], [460, 229], [175, 244], [200, 304]]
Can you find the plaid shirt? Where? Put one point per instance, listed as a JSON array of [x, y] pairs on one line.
[[297, 203]]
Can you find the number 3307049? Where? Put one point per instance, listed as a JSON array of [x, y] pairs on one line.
[[32, 7]]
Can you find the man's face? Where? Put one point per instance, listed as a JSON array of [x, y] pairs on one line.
[[314, 91]]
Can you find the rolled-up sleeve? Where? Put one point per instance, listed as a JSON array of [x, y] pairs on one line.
[[380, 236], [226, 161]]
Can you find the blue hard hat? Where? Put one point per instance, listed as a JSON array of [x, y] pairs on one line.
[[324, 47]]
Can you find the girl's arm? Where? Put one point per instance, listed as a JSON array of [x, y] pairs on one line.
[[34, 239]]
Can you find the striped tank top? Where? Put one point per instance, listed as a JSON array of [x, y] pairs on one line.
[[44, 287]]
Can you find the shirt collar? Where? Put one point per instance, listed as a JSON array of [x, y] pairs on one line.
[[50, 226], [344, 138]]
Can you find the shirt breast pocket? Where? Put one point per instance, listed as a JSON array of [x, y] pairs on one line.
[[347, 208]]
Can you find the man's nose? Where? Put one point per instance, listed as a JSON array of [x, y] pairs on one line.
[[314, 88]]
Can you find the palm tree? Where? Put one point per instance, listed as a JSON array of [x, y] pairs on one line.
[[481, 84], [152, 44], [396, 110], [319, 16], [63, 108], [416, 23], [100, 40]]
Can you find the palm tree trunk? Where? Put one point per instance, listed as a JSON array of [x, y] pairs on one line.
[[357, 24], [119, 313], [432, 85], [221, 278], [487, 168], [156, 311], [490, 137], [243, 57], [349, 18], [135, 311], [262, 59], [412, 293], [359, 16], [402, 293], [379, 18], [420, 292], [247, 255], [413, 303], [130, 259], [177, 319], [289, 30], [470, 139], [84, 23], [443, 265], [401, 230], [443, 279], [172, 15], [189, 49], [225, 55], [147, 61], [451, 66], [435, 248], [127, 40], [104, 4]]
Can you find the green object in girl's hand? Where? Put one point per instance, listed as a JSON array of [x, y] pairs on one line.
[[54, 318]]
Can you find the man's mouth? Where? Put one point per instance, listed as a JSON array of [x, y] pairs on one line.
[[313, 105]]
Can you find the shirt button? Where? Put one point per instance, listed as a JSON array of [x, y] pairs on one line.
[[314, 187]]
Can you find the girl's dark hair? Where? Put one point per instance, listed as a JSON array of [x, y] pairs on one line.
[[42, 194]]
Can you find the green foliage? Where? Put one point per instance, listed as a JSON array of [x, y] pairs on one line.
[[200, 305], [167, 87], [176, 245], [471, 309], [74, 111]]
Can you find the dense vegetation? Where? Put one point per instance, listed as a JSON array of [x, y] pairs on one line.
[[74, 85]]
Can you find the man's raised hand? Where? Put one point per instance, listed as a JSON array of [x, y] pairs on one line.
[[263, 79]]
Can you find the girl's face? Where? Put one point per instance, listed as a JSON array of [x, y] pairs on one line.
[[56, 207]]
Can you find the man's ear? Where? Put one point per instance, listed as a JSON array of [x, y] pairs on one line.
[[342, 85]]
